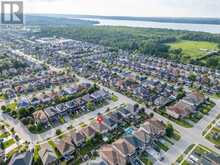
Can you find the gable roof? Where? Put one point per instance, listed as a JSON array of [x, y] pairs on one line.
[[195, 98], [109, 154], [40, 115], [78, 137], [22, 159], [46, 154], [181, 108], [154, 127], [133, 141], [99, 127], [64, 146], [142, 136], [88, 131], [210, 159], [124, 147]]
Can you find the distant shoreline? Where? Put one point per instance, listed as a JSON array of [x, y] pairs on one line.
[[187, 20]]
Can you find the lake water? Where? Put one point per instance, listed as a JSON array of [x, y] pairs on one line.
[[147, 24]]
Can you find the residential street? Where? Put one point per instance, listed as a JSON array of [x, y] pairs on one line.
[[188, 135]]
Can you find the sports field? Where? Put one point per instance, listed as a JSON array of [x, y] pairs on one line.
[[194, 49]]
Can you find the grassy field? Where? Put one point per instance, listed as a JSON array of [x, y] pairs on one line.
[[8, 143], [194, 49]]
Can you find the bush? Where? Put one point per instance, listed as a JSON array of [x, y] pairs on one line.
[[169, 130], [58, 132]]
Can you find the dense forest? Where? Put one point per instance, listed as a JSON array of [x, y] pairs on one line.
[[144, 40], [47, 21]]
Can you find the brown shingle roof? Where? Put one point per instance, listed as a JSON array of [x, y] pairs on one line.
[[40, 115], [64, 146], [124, 147], [110, 155], [154, 127], [88, 131]]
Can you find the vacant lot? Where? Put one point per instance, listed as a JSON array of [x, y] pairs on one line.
[[194, 49]]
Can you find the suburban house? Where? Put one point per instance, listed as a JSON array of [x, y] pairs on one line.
[[124, 148], [141, 135], [47, 155], [45, 98], [23, 103], [22, 159], [209, 159], [154, 128], [111, 156], [65, 146], [78, 138], [89, 132], [194, 99], [62, 108], [180, 110], [139, 146], [87, 98], [124, 112], [40, 117], [111, 124], [116, 116], [35, 101], [52, 113], [133, 109], [100, 128], [72, 106], [99, 95]]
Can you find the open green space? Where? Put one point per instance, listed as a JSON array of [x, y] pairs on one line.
[[194, 49], [214, 136], [8, 143], [145, 159]]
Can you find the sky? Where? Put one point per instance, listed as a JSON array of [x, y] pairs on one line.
[[145, 8]]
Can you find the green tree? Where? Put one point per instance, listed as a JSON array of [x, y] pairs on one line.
[[23, 112], [58, 132], [3, 108], [212, 62], [169, 130], [192, 77], [90, 105]]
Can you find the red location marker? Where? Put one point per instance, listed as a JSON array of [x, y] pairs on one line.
[[99, 119]]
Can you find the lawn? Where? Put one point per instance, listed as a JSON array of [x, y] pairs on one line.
[[20, 148], [194, 49], [12, 106], [216, 96], [176, 136], [207, 107], [211, 138], [114, 98], [181, 157], [144, 158], [53, 145], [162, 146], [180, 122], [4, 135], [8, 143], [200, 149]]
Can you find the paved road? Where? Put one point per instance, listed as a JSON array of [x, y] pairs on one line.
[[188, 135], [191, 136]]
